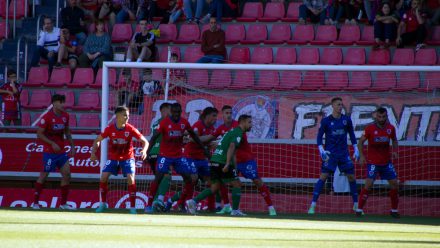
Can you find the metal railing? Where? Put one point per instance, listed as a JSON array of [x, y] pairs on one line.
[[19, 56]]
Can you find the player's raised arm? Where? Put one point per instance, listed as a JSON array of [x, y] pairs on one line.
[[324, 154], [95, 146], [152, 141], [360, 146]]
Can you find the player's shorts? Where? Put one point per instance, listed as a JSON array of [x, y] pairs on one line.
[[248, 169], [52, 161], [152, 161], [127, 166], [344, 164], [386, 172], [217, 174], [201, 165], [180, 165], [72, 56]]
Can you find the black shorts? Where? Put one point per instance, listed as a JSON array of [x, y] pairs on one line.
[[217, 173]]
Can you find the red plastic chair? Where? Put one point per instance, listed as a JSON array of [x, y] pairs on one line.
[[168, 33], [354, 56], [90, 123], [111, 79], [312, 80], [26, 119], [427, 56], [285, 55], [24, 97], [385, 80], [163, 55], [367, 36], [336, 80], [308, 56], [188, 34], [435, 37], [37, 77], [325, 35], [243, 80], [251, 12], [290, 80], [82, 78], [220, 79], [360, 80], [89, 100], [431, 82], [379, 57], [408, 81], [70, 98], [3, 30], [292, 14], [19, 11], [279, 34], [239, 55], [331, 56], [274, 11], [255, 34], [302, 34], [60, 77], [198, 78], [122, 32], [235, 33], [403, 56], [192, 54], [268, 80], [262, 55], [39, 99], [349, 35]]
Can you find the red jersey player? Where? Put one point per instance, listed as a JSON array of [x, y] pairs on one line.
[[120, 155], [51, 130], [379, 134], [10, 93]]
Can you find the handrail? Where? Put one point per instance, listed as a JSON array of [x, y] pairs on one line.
[[38, 23], [58, 13], [25, 56], [7, 18], [26, 8], [33, 8], [14, 20]]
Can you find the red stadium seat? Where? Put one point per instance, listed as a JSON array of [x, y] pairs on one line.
[[349, 35], [192, 54], [251, 12], [158, 74], [2, 8], [325, 35], [134, 79], [354, 56], [367, 36], [37, 77], [336, 80], [24, 97], [39, 99], [243, 80], [431, 82], [292, 14], [385, 80], [3, 30], [198, 78], [308, 56], [379, 57], [239, 55], [268, 80], [60, 77], [302, 34], [111, 79], [285, 55], [72, 121], [82, 78], [312, 80], [427, 56], [89, 100], [90, 123], [168, 33], [26, 119], [274, 11], [70, 98], [279, 34], [290, 80], [331, 56], [188, 34], [220, 79], [235, 33], [163, 55], [403, 56], [360, 80], [435, 37], [255, 34], [122, 32], [19, 11], [408, 81], [262, 55]]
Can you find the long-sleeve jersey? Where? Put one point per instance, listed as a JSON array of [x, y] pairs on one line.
[[336, 131]]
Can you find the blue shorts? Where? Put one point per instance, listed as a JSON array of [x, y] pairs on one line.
[[386, 172], [127, 166], [248, 169], [201, 165], [344, 164], [52, 161], [180, 165]]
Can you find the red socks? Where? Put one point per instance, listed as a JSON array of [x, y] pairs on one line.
[[394, 195], [265, 193], [224, 194], [153, 190], [187, 193], [38, 189], [363, 198], [103, 188], [132, 192], [64, 194]]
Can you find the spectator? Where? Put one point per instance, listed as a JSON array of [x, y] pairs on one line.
[[213, 44], [385, 26], [106, 9], [412, 27], [314, 9], [127, 90], [370, 7], [160, 8], [189, 6], [68, 50], [47, 44], [126, 10], [215, 10], [434, 10], [148, 87], [10, 93], [97, 48], [143, 44], [176, 11], [176, 75], [72, 18]]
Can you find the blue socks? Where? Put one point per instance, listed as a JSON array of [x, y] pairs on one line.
[[317, 191]]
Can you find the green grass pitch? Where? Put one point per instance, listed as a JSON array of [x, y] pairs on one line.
[[52, 228]]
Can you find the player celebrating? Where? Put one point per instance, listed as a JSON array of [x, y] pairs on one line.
[[379, 135], [223, 166], [120, 155], [336, 127], [51, 130]]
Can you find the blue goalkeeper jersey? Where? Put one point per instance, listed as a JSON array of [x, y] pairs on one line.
[[336, 131]]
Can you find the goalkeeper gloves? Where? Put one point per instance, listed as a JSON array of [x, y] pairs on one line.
[[324, 154], [356, 154]]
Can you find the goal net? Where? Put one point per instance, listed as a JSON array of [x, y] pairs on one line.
[[287, 103]]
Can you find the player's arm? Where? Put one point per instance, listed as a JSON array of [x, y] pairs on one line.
[[353, 139], [68, 135], [152, 141], [394, 145], [197, 140], [95, 146], [230, 155], [144, 143], [324, 154], [43, 137], [360, 146]]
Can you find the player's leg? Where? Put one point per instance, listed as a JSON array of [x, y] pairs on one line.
[[48, 166], [109, 168], [163, 167], [144, 54], [129, 170], [215, 171], [369, 181], [347, 166], [65, 181], [187, 168], [327, 167], [223, 195], [389, 173], [154, 185], [236, 196]]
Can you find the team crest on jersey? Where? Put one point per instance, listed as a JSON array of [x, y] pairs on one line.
[[331, 123], [126, 134], [53, 120], [388, 131], [113, 134], [64, 119], [169, 126], [344, 122], [42, 121], [182, 126], [375, 132]]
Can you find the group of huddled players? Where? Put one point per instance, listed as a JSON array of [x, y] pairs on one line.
[[212, 155]]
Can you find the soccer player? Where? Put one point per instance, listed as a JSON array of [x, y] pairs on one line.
[[378, 160], [52, 128], [223, 166], [335, 127], [120, 155]]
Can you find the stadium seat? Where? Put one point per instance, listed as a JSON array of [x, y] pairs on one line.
[[360, 80], [70, 98], [82, 78], [431, 82], [384, 81], [135, 75], [60, 77], [290, 80], [39, 99], [302, 35], [243, 80], [336, 80], [354, 56], [24, 97], [273, 12], [349, 35], [235, 33], [72, 121], [89, 100], [435, 37], [251, 12], [279, 34], [91, 123], [285, 55], [111, 79], [308, 56], [255, 34], [262, 55], [37, 77], [267, 80], [325, 35], [239, 55], [2, 8], [408, 81], [220, 79], [122, 32], [19, 11], [198, 78], [403, 56], [312, 80], [331, 56], [168, 33], [92, 28], [426, 56], [292, 14], [163, 54], [192, 54], [158, 74], [367, 36], [188, 33], [3, 30], [26, 119], [379, 57]]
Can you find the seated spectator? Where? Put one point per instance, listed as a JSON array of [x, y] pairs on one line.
[[47, 44], [10, 92], [190, 6], [215, 10], [213, 44], [401, 6], [433, 7], [126, 10], [97, 48], [148, 87], [72, 18], [68, 50], [143, 44], [370, 7], [106, 9], [412, 27], [150, 8], [176, 11], [385, 26], [313, 9]]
